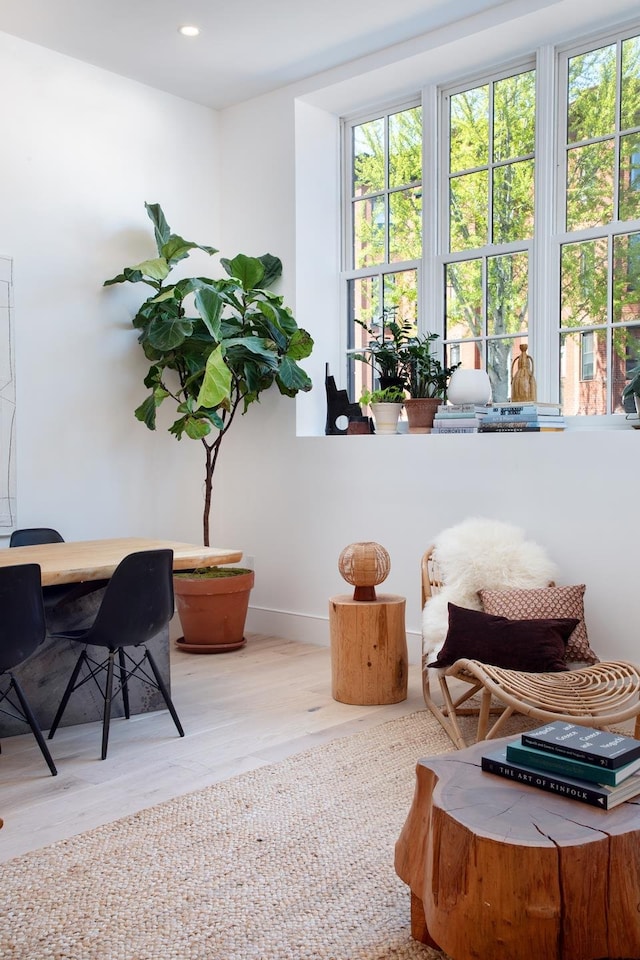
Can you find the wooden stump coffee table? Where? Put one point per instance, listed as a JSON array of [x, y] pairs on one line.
[[502, 871]]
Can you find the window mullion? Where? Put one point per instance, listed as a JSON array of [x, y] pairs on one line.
[[544, 270]]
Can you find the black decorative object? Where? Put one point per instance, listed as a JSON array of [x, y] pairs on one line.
[[338, 405]]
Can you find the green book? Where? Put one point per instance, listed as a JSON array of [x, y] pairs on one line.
[[542, 760]]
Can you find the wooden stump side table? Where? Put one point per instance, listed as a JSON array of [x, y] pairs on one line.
[[503, 870], [368, 649]]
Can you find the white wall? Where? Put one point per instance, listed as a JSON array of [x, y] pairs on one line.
[[293, 502], [82, 150]]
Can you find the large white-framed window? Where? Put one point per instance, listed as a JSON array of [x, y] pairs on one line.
[[487, 199], [599, 220], [382, 228], [531, 181]]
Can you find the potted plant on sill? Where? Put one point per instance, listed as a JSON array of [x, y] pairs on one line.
[[383, 352], [214, 346], [386, 406], [425, 379]]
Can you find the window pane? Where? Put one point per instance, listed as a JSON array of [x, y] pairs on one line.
[[591, 94], [368, 232], [469, 129], [364, 305], [514, 127], [580, 396], [630, 103], [400, 295], [626, 278], [513, 201], [629, 198], [584, 283], [368, 157], [626, 356], [468, 211], [500, 358], [405, 225], [590, 185], [507, 294], [405, 147], [463, 300]]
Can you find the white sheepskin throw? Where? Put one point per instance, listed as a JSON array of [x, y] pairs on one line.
[[479, 554]]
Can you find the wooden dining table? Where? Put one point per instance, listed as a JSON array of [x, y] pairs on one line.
[[80, 560], [45, 674]]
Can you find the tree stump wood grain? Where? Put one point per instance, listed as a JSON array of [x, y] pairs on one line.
[[368, 649], [504, 871]]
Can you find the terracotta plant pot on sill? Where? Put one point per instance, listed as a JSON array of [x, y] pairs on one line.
[[420, 413], [212, 606]]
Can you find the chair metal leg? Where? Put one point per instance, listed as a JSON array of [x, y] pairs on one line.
[[108, 694], [163, 690], [67, 693], [33, 723], [123, 683]]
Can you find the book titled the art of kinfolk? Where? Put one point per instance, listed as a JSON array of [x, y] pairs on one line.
[[600, 747], [596, 795]]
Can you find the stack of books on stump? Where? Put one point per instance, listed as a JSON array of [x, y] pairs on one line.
[[529, 417], [580, 763]]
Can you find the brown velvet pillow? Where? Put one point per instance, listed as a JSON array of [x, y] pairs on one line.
[[535, 646], [545, 603]]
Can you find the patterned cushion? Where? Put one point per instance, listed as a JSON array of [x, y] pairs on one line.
[[543, 604]]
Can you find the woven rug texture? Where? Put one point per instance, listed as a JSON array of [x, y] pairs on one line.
[[292, 861]]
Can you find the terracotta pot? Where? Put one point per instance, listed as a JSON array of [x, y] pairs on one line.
[[420, 413], [213, 611]]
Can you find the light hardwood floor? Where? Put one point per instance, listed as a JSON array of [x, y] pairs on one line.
[[239, 710]]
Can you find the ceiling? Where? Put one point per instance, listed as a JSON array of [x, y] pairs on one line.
[[245, 48]]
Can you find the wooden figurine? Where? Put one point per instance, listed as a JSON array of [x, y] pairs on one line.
[[523, 382]]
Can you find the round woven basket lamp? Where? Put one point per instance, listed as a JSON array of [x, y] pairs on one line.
[[364, 565]]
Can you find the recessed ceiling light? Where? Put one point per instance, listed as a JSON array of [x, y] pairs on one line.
[[189, 31]]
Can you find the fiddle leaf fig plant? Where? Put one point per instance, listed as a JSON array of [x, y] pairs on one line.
[[214, 345]]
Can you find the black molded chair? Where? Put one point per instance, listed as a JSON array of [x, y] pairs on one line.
[[57, 595], [29, 536], [22, 629], [137, 604]]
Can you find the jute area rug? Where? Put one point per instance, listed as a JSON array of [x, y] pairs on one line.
[[292, 861]]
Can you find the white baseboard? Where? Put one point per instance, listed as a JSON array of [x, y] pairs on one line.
[[310, 629]]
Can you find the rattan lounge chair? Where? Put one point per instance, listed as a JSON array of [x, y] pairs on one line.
[[601, 695]]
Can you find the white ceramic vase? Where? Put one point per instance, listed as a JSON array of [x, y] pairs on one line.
[[469, 386]]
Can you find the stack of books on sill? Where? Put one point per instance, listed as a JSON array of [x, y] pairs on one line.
[[530, 417], [572, 761], [458, 417]]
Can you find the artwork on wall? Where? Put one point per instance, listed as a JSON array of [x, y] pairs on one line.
[[7, 399]]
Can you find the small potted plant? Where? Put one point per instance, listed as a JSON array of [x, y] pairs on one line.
[[385, 407], [425, 379], [632, 389], [214, 346]]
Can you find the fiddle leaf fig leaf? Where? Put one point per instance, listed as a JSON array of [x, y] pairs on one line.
[[177, 249], [272, 269], [157, 269], [162, 230], [167, 333], [130, 274], [209, 305], [196, 428], [248, 270], [300, 345], [292, 377], [216, 384], [146, 412]]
